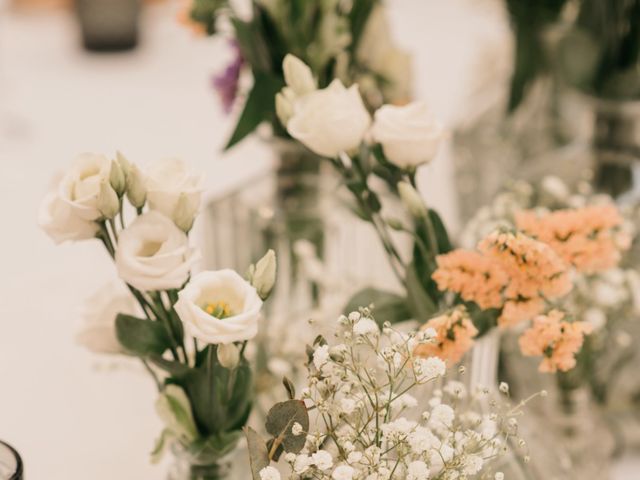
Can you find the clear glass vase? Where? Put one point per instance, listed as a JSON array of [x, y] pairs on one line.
[[11, 467], [189, 466]]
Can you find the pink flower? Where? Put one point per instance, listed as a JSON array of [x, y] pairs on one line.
[[555, 339]]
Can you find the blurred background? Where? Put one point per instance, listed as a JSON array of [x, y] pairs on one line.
[[107, 75]]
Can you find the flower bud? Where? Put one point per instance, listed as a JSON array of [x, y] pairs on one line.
[[184, 213], [284, 108], [124, 164], [108, 201], [264, 275], [228, 355], [117, 178], [412, 200], [298, 75], [136, 191]]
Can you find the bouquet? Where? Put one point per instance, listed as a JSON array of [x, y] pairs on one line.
[[349, 40], [359, 417], [514, 275], [188, 330]]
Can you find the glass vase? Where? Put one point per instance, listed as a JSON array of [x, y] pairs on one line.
[[11, 467], [189, 466]]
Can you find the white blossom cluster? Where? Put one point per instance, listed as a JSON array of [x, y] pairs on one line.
[[378, 412]]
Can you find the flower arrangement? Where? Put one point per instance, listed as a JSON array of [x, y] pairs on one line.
[[358, 418], [189, 330], [510, 278], [593, 236], [348, 40]]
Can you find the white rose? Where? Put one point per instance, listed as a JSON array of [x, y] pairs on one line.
[[331, 120], [409, 135], [219, 307], [61, 223], [154, 254], [99, 312], [80, 186], [172, 189]]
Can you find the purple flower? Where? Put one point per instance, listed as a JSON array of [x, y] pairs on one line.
[[226, 83]]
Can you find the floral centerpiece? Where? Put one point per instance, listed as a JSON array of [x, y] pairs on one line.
[[359, 417], [188, 330]]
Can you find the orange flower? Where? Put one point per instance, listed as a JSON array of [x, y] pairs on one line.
[[555, 339], [184, 17], [475, 277], [589, 238], [454, 336]]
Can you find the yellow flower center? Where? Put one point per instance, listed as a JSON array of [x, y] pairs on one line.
[[218, 309]]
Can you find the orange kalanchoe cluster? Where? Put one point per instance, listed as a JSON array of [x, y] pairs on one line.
[[554, 339], [454, 336], [534, 270], [510, 271], [591, 238], [475, 277]]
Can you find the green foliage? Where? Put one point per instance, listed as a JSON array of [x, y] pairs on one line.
[[422, 306], [259, 106], [280, 421], [205, 12], [389, 307], [141, 337]]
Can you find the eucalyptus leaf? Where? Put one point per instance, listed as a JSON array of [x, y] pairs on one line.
[[141, 337], [258, 454], [280, 421]]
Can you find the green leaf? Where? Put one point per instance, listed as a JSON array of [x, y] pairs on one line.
[[141, 337], [289, 387], [174, 368], [442, 237], [258, 454], [160, 446], [360, 12], [389, 307], [214, 447], [420, 303], [280, 421], [260, 106]]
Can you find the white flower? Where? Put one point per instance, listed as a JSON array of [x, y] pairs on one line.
[[297, 429], [417, 470], [504, 387], [428, 368], [399, 428], [354, 457], [172, 189], [59, 220], [228, 355], [264, 274], [499, 476], [473, 464], [343, 472], [455, 389], [365, 326], [321, 356], [412, 200], [406, 401], [322, 459], [219, 307], [442, 415], [80, 186], [302, 463], [409, 135], [348, 406], [99, 313], [331, 120], [153, 254], [596, 317], [298, 75], [269, 473]]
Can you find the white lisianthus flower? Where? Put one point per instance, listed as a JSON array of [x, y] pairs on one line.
[[219, 307], [269, 473], [80, 186], [99, 312], [297, 75], [58, 219], [409, 135], [174, 190], [330, 120], [154, 254], [343, 472]]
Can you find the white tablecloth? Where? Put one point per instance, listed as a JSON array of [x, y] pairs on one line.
[[71, 415]]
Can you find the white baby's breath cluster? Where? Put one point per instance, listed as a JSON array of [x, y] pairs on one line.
[[379, 412]]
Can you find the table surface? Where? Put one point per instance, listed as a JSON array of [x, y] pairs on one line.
[[71, 414]]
